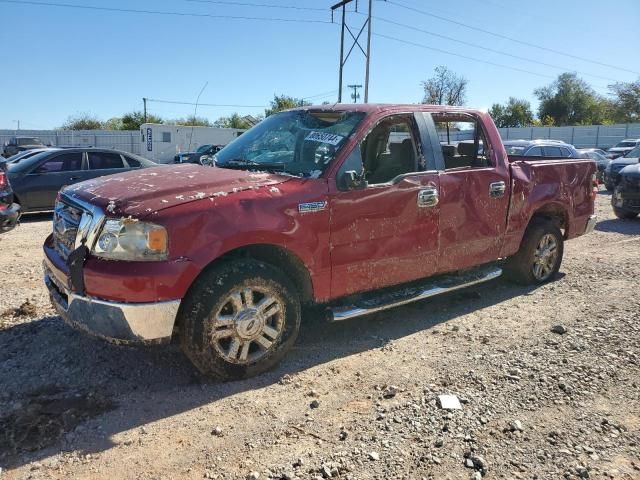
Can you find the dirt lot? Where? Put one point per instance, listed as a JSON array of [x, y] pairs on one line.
[[353, 400]]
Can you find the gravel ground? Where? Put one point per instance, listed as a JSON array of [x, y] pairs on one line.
[[548, 381]]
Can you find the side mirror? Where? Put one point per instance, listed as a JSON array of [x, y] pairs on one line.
[[353, 180]]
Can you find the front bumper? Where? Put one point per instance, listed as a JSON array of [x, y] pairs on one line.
[[9, 217], [591, 224], [113, 321]]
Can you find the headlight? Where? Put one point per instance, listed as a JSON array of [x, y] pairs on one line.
[[129, 239]]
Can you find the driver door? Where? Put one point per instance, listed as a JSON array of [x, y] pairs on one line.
[[386, 232]]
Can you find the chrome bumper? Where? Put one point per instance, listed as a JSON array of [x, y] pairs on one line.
[[591, 224], [116, 322]]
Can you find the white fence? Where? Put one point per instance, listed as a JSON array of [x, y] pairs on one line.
[[125, 140], [602, 136]]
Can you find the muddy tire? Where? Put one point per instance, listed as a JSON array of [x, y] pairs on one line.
[[540, 254], [624, 214], [239, 319]]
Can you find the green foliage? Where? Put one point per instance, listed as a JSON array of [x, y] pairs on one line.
[[626, 101], [569, 100], [234, 121], [284, 102], [133, 120], [515, 113], [82, 121], [190, 121], [445, 88]]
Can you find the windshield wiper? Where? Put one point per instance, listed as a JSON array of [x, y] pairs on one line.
[[244, 163]]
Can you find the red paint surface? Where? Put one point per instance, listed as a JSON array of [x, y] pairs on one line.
[[363, 240]]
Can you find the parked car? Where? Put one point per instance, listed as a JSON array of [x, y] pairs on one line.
[[622, 148], [9, 210], [626, 196], [37, 180], [199, 156], [611, 173], [27, 154], [541, 148], [19, 144], [355, 208], [599, 157]]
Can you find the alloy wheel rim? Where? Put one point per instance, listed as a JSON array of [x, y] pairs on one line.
[[545, 257], [247, 325]]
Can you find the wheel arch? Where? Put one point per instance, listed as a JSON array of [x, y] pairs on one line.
[[554, 212]]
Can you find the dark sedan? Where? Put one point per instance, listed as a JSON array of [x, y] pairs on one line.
[[626, 196], [37, 180], [197, 156], [611, 173]]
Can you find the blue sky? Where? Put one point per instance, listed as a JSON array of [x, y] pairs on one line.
[[62, 61]]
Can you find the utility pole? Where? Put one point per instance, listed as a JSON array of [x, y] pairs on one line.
[[144, 100], [18, 122], [356, 42], [355, 95]]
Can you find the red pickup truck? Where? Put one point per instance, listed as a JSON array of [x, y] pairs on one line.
[[355, 208]]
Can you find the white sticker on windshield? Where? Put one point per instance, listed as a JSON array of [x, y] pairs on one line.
[[330, 138]]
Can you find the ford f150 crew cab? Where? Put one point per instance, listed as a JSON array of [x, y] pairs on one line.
[[355, 208]]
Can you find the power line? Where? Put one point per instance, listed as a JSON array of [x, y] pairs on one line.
[[166, 13], [488, 49], [446, 52], [512, 39], [265, 5], [177, 102]]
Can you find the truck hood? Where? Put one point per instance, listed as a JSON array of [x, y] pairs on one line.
[[142, 192]]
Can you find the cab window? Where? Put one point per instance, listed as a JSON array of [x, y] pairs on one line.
[[462, 140]]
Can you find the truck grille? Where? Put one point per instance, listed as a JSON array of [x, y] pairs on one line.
[[66, 219]]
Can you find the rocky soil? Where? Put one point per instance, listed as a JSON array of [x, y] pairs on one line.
[[547, 379]]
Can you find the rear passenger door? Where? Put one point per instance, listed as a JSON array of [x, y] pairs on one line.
[[474, 191], [104, 163]]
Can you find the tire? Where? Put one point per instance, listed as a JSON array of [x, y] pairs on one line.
[[252, 309], [624, 214], [527, 266]]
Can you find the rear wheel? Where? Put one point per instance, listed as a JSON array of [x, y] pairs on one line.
[[239, 319], [624, 214], [540, 254]]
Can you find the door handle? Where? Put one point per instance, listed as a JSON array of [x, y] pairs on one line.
[[428, 197], [497, 189], [73, 178]]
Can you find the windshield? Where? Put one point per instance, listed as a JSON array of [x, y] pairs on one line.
[[203, 148], [634, 153], [514, 149], [626, 144], [298, 142]]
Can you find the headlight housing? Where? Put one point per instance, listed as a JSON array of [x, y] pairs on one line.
[[130, 239]]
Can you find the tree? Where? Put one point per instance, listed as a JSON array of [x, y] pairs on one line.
[[626, 101], [234, 121], [190, 121], [445, 88], [133, 120], [515, 113], [82, 121], [284, 102], [569, 100], [114, 123]]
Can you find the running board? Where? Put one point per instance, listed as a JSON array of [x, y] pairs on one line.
[[438, 286]]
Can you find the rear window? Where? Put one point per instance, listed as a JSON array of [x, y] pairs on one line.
[[104, 161], [29, 141], [552, 152], [133, 163], [626, 144]]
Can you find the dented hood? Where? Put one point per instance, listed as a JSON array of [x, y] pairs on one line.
[[142, 192]]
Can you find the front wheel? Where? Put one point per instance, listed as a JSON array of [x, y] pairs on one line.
[[624, 214], [540, 254], [239, 319]]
